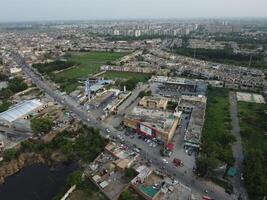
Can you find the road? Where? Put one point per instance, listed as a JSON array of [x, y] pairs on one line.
[[237, 147], [197, 186]]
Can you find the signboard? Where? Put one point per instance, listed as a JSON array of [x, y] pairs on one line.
[[145, 129]]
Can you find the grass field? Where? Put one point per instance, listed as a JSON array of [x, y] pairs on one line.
[[89, 63], [253, 125], [253, 129], [216, 136], [114, 75]]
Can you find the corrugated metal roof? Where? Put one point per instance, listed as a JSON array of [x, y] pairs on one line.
[[20, 110]]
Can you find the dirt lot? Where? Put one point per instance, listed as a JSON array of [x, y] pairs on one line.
[[250, 97]]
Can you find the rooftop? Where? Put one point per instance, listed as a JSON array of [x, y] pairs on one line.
[[161, 120], [20, 110]]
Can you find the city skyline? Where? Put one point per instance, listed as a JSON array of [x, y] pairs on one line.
[[29, 10]]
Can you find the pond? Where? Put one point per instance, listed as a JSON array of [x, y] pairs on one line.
[[36, 182]]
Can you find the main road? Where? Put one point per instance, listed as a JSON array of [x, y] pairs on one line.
[[197, 186]]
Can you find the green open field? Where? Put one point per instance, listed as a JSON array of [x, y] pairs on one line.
[[253, 129], [114, 75], [216, 135], [253, 125], [89, 63]]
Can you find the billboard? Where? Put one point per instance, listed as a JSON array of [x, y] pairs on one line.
[[145, 129]]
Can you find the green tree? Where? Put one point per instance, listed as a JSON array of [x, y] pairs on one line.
[[17, 85], [127, 195], [41, 125], [206, 164], [4, 105], [10, 154], [130, 173]]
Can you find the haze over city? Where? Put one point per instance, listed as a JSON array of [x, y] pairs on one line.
[[35, 10]]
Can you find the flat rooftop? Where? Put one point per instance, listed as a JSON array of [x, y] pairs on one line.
[[196, 123], [161, 120], [19, 110]]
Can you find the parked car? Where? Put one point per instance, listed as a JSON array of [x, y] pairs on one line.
[[107, 130], [165, 161]]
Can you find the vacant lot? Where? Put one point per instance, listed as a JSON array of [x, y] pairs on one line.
[[114, 75], [250, 97], [216, 135], [89, 63], [253, 129], [86, 64]]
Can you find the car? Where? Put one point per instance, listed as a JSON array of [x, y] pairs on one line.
[[242, 176], [136, 150], [165, 161], [107, 130], [174, 182]]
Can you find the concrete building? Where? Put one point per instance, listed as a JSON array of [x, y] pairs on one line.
[[153, 102], [153, 123], [196, 107]]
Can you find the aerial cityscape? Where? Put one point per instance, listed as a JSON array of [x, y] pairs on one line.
[[163, 102]]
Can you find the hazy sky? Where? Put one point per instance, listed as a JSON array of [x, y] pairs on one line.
[[33, 10]]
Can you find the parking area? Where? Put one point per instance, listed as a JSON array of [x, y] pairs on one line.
[[186, 156]]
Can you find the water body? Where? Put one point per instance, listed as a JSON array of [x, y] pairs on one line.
[[36, 182]]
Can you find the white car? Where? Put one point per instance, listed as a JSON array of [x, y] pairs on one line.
[[107, 130], [165, 161]]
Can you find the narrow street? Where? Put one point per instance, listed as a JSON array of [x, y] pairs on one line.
[[237, 148]]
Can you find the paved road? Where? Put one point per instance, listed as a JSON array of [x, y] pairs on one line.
[[237, 147], [198, 186]]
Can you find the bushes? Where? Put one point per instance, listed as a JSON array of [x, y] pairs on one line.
[[130, 173], [255, 174], [47, 68], [223, 56], [144, 93], [41, 125], [10, 154], [14, 85], [4, 105], [172, 105], [253, 126], [128, 195]]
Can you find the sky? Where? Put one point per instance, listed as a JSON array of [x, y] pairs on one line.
[[36, 10]]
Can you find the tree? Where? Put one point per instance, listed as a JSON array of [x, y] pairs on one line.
[[145, 93], [130, 173], [17, 85], [6, 93], [10, 154], [127, 195], [41, 125], [4, 105], [206, 164]]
